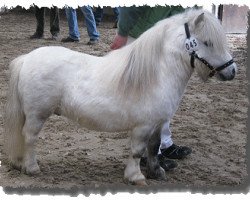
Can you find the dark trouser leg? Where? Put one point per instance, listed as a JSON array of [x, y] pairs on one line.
[[39, 13], [98, 15], [54, 21], [116, 13]]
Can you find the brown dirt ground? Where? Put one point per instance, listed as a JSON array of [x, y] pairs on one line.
[[211, 119]]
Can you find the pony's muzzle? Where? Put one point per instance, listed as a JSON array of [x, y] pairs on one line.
[[228, 73]]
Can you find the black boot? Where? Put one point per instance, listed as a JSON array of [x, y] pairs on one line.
[[176, 152]]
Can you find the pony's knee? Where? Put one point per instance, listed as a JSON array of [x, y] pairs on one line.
[[137, 152], [139, 140]]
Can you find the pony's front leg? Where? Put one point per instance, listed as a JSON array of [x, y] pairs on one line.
[[139, 141], [154, 170]]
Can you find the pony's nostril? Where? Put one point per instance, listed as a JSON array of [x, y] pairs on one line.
[[233, 72]]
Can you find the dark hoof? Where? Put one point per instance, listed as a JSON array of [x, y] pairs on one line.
[[158, 174], [166, 164]]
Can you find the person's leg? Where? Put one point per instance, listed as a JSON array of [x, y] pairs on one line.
[[168, 149], [90, 23], [74, 34], [116, 13], [98, 15], [166, 134], [39, 13], [54, 21]]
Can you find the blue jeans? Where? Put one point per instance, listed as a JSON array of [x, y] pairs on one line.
[[116, 12], [89, 20]]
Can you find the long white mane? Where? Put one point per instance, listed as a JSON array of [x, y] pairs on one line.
[[164, 44]]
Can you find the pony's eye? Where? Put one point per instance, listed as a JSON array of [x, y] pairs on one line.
[[208, 43]]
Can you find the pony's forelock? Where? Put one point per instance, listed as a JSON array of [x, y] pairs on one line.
[[211, 30]]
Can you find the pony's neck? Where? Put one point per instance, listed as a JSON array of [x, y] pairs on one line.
[[176, 74], [149, 60]]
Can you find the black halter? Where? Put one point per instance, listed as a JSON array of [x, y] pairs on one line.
[[194, 55]]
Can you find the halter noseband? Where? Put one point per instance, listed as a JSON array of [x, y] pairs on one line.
[[193, 54]]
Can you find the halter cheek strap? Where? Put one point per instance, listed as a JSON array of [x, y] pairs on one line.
[[193, 54]]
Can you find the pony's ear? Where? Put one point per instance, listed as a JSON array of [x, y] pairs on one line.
[[199, 20]]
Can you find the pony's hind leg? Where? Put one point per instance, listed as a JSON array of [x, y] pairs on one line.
[[154, 169], [139, 140], [31, 128]]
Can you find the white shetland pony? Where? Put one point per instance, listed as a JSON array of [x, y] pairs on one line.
[[136, 88]]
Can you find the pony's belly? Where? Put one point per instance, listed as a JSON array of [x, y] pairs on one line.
[[107, 122], [103, 127], [107, 125]]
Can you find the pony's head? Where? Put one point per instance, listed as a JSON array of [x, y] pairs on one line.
[[207, 46]]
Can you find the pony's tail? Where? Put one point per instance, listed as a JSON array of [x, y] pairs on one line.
[[14, 115]]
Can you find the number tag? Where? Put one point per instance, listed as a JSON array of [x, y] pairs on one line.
[[191, 44]]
